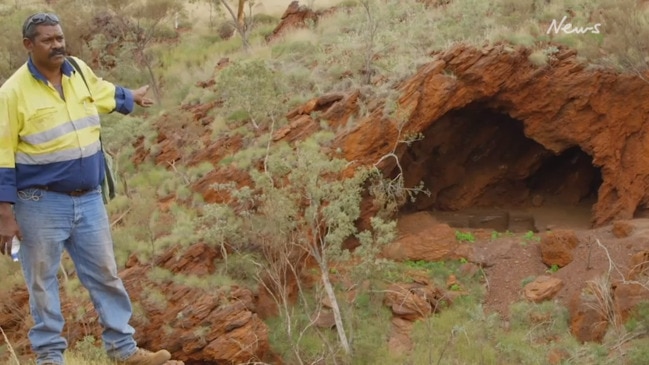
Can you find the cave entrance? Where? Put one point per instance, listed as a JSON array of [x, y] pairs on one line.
[[483, 171]]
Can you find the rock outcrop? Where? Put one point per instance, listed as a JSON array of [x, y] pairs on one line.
[[197, 325], [495, 129], [296, 16], [492, 122], [542, 288], [557, 246], [409, 303], [423, 238]]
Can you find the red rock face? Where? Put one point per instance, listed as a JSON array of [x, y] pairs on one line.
[[219, 325], [497, 127], [495, 130], [196, 325]]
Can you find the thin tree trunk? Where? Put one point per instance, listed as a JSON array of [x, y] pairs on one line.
[[239, 28], [154, 83], [241, 14], [334, 306]]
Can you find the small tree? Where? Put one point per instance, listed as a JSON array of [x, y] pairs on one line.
[[324, 207], [139, 24], [241, 23], [370, 41], [255, 88], [298, 206], [149, 15]]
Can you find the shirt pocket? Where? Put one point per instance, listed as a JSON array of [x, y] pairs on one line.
[[39, 120], [88, 106], [41, 116]]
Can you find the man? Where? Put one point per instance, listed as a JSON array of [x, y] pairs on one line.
[[51, 167]]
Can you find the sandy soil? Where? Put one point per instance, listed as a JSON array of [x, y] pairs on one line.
[[511, 261]]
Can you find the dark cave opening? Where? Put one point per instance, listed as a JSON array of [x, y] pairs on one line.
[[477, 160]]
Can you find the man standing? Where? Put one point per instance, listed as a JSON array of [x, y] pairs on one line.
[[51, 168]]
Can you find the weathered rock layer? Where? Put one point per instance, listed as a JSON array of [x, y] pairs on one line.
[[197, 325], [494, 130], [497, 128]]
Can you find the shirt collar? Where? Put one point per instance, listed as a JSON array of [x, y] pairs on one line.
[[66, 69]]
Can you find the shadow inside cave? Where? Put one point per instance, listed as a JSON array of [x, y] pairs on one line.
[[483, 171]]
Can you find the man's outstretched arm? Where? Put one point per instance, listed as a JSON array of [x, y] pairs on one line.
[[126, 98]]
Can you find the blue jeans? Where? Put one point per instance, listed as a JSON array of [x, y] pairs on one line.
[[51, 222]]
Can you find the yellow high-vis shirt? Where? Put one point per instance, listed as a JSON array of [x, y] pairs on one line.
[[52, 140]]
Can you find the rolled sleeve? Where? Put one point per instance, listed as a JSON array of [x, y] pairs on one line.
[[124, 103]]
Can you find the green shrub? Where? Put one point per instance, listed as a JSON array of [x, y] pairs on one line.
[[464, 236], [226, 30], [638, 321], [638, 353], [260, 18], [92, 350]]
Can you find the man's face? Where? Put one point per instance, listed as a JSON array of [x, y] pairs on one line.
[[48, 47]]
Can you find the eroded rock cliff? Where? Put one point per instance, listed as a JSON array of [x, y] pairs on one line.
[[496, 129]]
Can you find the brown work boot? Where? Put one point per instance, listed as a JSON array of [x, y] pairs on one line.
[[146, 357]]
